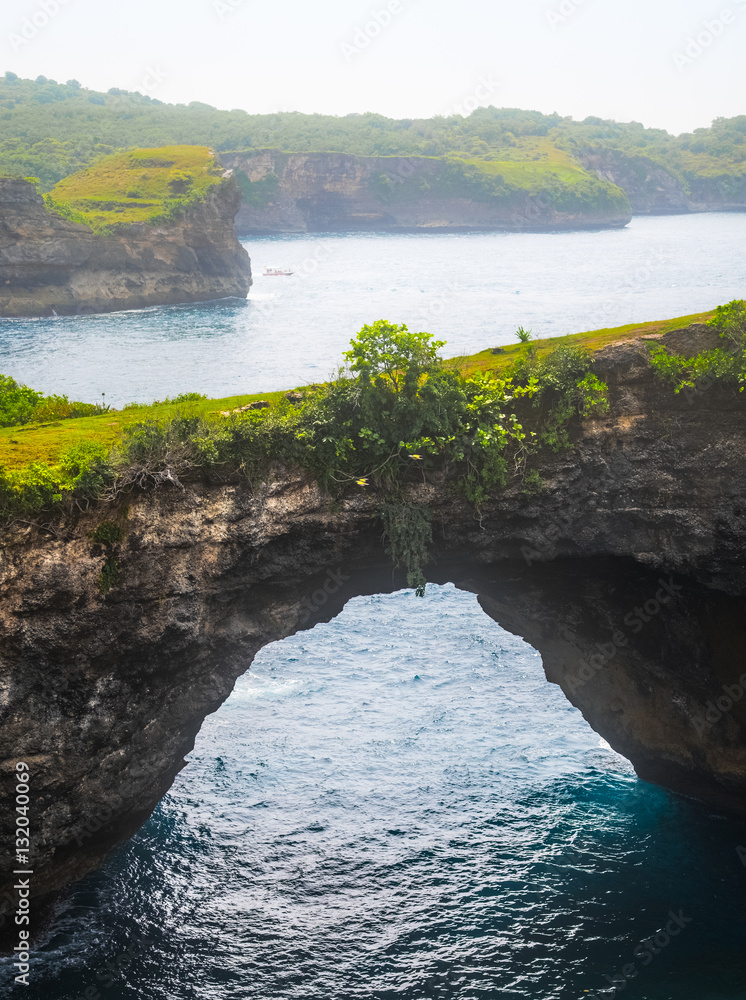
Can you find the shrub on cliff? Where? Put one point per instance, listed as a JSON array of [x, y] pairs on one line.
[[730, 322], [82, 473], [724, 365], [21, 405], [29, 491], [398, 408], [393, 395], [394, 413], [564, 388], [87, 469], [61, 408], [17, 402]]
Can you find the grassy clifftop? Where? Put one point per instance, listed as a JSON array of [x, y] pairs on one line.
[[498, 359], [141, 185], [559, 187], [45, 441], [396, 412]]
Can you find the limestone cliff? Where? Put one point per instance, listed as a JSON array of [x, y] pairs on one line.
[[49, 264], [334, 192], [655, 190], [625, 571]]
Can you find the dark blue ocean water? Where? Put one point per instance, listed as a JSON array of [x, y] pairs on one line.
[[472, 290], [398, 805]]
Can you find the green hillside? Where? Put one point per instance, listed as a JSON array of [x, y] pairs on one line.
[[51, 130]]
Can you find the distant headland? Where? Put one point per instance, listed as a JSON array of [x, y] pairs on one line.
[[142, 228], [496, 168]]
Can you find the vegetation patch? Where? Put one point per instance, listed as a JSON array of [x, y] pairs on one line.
[[261, 193], [142, 185], [407, 534], [725, 365], [563, 186], [395, 412], [21, 405], [110, 575], [107, 533], [395, 415], [500, 359], [49, 441], [54, 129], [532, 482]]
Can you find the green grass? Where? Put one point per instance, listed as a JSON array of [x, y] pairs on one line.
[[20, 446], [141, 185], [535, 148], [530, 173], [46, 442], [592, 340], [706, 165]]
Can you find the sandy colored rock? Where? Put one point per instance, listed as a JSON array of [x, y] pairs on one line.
[[51, 265], [337, 192]]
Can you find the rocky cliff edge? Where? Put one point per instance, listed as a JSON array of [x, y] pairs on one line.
[[50, 265], [625, 570]]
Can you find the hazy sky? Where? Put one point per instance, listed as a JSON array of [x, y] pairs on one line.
[[624, 59]]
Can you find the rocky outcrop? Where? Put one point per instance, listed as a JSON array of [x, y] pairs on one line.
[[625, 571], [337, 192], [655, 190], [51, 265]]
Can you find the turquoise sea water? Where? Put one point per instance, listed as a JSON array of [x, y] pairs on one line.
[[397, 804]]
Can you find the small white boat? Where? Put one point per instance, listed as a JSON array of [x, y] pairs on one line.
[[276, 272]]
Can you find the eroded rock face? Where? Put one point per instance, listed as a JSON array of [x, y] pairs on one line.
[[653, 660], [48, 264], [654, 190], [625, 571], [335, 192]]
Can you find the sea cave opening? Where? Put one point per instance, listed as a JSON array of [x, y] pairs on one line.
[[395, 794]]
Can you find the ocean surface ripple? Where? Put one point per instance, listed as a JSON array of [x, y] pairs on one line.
[[396, 805], [472, 290]]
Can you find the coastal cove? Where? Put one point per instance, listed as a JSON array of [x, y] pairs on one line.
[[394, 794], [472, 290], [373, 501]]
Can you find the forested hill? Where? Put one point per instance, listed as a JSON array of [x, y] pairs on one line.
[[50, 129]]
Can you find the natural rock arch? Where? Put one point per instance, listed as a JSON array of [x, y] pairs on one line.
[[118, 730], [625, 572]]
